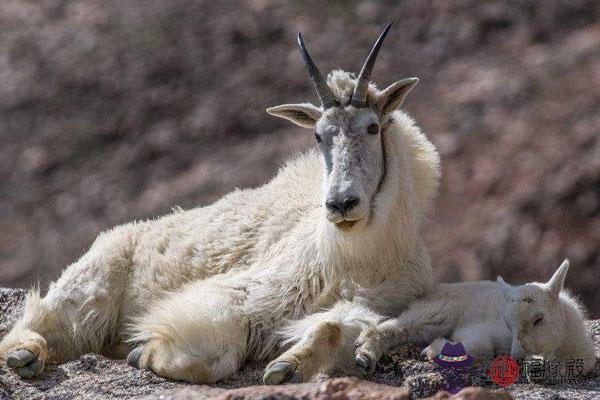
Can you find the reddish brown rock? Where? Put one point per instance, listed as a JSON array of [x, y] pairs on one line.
[[473, 393], [335, 389]]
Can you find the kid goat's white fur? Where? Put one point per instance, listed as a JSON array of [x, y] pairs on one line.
[[489, 318], [193, 294]]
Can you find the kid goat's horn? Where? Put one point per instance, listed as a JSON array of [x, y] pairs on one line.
[[359, 97], [326, 97]]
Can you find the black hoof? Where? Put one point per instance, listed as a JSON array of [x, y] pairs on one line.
[[133, 358], [19, 358], [281, 372], [296, 377], [364, 362], [30, 370], [26, 364]]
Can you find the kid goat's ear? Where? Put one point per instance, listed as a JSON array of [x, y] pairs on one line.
[[305, 115], [505, 287], [392, 97], [556, 283]]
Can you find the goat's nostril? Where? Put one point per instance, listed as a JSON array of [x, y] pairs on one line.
[[333, 205], [349, 203], [342, 206]]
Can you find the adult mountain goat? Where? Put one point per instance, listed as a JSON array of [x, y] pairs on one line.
[[193, 294]]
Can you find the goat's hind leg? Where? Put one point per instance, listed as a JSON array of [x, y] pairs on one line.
[[78, 313], [24, 349], [478, 339], [197, 335]]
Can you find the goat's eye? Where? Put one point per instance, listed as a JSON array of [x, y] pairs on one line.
[[538, 321], [373, 129], [317, 137]]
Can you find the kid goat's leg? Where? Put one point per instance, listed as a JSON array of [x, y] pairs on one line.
[[80, 312], [197, 335], [323, 342], [478, 338]]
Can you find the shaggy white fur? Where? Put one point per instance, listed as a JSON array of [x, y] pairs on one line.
[[489, 318], [204, 289]]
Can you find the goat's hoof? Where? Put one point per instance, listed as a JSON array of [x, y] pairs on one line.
[[133, 358], [19, 358], [26, 364], [364, 362], [296, 377], [428, 354], [30, 370], [281, 372]]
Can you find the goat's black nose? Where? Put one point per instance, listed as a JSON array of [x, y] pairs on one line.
[[342, 206]]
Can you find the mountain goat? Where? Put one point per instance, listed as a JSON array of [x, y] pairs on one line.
[[489, 318], [194, 294]]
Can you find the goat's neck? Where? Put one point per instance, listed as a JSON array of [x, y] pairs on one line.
[[575, 344], [393, 221]]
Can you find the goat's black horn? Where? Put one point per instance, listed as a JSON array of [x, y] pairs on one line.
[[359, 97], [326, 97]]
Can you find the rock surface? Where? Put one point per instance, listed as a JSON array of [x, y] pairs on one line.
[[400, 375]]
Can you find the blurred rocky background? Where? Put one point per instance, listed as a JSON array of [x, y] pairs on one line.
[[117, 110]]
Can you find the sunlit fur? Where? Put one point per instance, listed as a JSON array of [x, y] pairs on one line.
[[490, 319], [207, 288]]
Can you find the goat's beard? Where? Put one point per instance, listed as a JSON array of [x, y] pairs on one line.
[[346, 226]]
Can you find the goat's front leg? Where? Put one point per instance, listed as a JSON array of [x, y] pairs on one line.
[[323, 342], [373, 341], [419, 324], [315, 352]]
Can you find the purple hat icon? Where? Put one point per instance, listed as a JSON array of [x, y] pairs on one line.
[[453, 355]]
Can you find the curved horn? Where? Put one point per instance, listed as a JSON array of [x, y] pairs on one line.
[[359, 97], [326, 97]]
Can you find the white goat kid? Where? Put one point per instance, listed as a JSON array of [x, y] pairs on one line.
[[195, 293], [489, 318]]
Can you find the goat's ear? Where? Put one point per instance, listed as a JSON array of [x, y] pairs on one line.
[[506, 289], [556, 283], [391, 98], [306, 115]]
